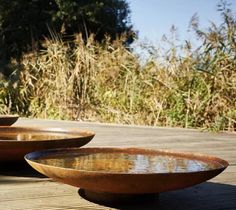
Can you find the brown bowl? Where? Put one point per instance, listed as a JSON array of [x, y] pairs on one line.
[[8, 120], [16, 142], [125, 170]]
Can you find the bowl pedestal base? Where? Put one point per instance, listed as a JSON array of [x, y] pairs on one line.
[[117, 198]]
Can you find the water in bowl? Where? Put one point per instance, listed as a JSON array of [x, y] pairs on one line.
[[33, 136], [127, 163]]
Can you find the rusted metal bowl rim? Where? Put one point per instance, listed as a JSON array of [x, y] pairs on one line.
[[196, 156], [9, 116], [56, 130]]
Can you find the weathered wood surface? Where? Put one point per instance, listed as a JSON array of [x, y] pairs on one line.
[[22, 188]]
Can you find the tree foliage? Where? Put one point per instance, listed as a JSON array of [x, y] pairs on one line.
[[23, 23]]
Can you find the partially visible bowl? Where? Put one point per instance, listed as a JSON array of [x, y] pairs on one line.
[[8, 120], [15, 142]]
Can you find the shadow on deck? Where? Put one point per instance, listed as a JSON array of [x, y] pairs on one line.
[[205, 196]]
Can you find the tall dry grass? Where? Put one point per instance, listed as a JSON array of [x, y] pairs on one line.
[[105, 82]]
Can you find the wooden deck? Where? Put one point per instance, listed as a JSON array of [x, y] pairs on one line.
[[22, 188]]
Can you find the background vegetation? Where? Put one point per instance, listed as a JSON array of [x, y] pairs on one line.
[[25, 23], [105, 81]]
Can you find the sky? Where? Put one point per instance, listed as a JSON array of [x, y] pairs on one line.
[[153, 18]]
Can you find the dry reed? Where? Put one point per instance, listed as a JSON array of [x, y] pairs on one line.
[[105, 82]]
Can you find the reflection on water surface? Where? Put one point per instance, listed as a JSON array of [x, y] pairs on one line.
[[127, 163], [34, 136]]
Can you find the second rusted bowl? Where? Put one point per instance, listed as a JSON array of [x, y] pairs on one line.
[[16, 142], [125, 170]]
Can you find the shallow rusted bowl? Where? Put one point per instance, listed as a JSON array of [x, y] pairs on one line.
[[16, 142], [8, 120], [125, 170]]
